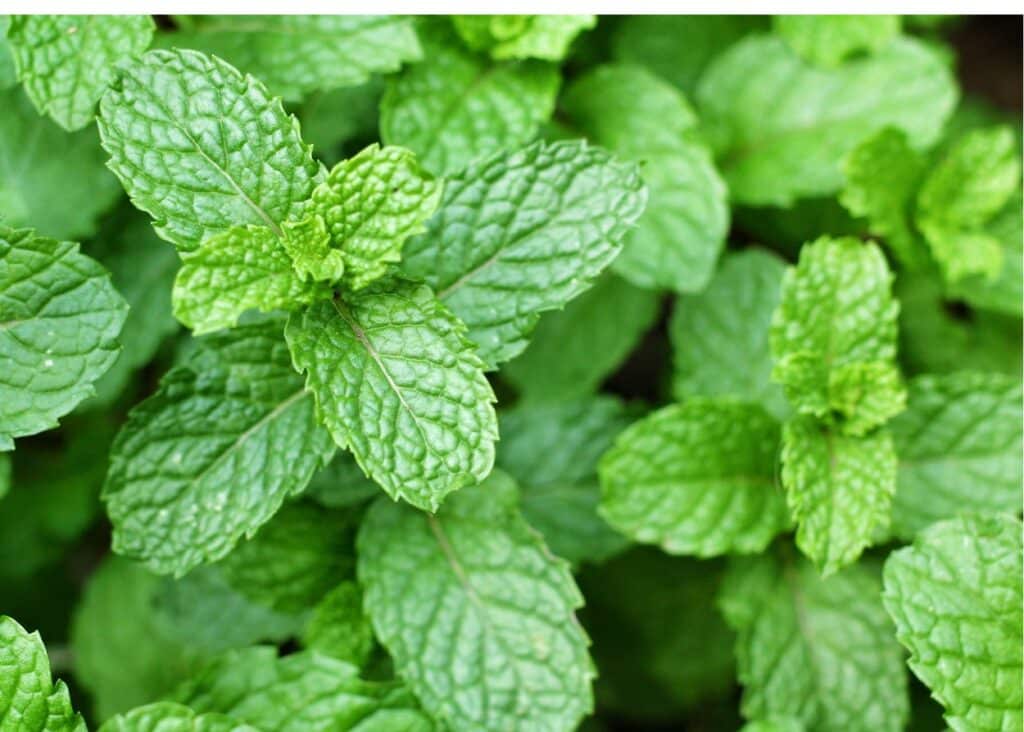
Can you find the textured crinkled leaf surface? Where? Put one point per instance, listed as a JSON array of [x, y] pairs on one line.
[[696, 478], [956, 598], [212, 455], [522, 233], [397, 383], [297, 54], [202, 148], [522, 36], [959, 447], [839, 489], [66, 62], [171, 717], [476, 613], [29, 700], [455, 106], [828, 40], [59, 320], [782, 126], [819, 650], [720, 337]]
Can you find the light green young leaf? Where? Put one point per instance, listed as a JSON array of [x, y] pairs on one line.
[[1005, 294], [29, 699], [782, 126], [339, 627], [235, 270], [828, 40], [839, 489], [819, 650], [720, 337], [398, 384], [523, 233], [297, 54], [227, 437], [642, 118], [308, 243], [551, 450], [371, 204], [476, 613], [571, 351], [696, 478], [454, 106], [66, 62], [546, 37], [833, 336], [35, 157], [956, 598], [59, 320], [959, 445], [219, 152], [170, 717], [301, 692], [774, 724], [882, 175]]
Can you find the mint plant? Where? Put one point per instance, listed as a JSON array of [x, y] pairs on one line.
[[489, 372]]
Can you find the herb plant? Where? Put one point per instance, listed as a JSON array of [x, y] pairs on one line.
[[511, 373]]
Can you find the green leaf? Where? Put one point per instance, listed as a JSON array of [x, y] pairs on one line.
[[783, 126], [339, 628], [297, 54], [839, 489], [170, 717], [341, 483], [29, 700], [295, 558], [233, 271], [573, 350], [308, 243], [522, 36], [833, 336], [552, 452], [956, 597], [228, 436], [720, 337], [476, 613], [372, 203], [59, 320], [523, 233], [8, 76], [828, 40], [5, 474], [959, 444], [644, 119], [35, 157], [819, 650], [454, 106], [219, 152], [301, 692], [696, 478], [66, 62], [774, 724], [397, 383], [883, 174]]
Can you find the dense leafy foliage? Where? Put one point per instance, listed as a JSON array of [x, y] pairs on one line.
[[517, 373]]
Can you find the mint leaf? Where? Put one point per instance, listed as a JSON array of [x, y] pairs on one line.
[[572, 350], [8, 76], [959, 444], [720, 337], [341, 483], [454, 107], [298, 54], [372, 203], [839, 489], [392, 360], [782, 126], [819, 650], [774, 724], [308, 243], [338, 626], [219, 151], [452, 595], [522, 36], [641, 118], [29, 700], [59, 318], [523, 233], [956, 597], [227, 436], [833, 336], [66, 62], [170, 717], [828, 40], [696, 478]]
